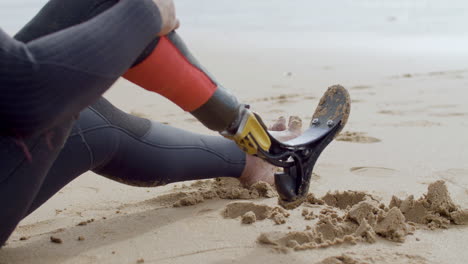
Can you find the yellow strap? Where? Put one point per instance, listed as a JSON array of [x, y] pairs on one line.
[[251, 135]]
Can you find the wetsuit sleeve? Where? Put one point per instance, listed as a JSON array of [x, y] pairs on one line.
[[54, 77]]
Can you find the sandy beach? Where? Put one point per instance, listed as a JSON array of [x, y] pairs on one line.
[[407, 130]]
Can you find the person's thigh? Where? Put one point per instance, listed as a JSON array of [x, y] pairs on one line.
[[60, 14], [23, 168], [138, 152], [91, 141]]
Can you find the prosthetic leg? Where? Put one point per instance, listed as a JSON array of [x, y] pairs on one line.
[[173, 72]]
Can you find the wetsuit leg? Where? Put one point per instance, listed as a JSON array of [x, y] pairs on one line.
[[60, 14], [138, 152], [24, 164], [107, 147], [21, 178], [114, 144]]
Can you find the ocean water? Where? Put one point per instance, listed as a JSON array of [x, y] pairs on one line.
[[415, 17]]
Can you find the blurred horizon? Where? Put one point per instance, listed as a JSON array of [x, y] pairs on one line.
[[401, 26], [373, 16]]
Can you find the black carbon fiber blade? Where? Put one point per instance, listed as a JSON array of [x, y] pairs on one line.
[[328, 120]]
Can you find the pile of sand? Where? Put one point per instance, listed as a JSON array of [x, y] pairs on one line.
[[356, 137], [364, 219], [336, 218], [341, 200], [374, 258], [223, 188], [250, 212], [435, 209], [362, 222]]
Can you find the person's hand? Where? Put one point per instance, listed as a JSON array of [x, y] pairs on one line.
[[168, 16]]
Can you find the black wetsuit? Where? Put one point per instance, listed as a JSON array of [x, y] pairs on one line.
[[56, 67]]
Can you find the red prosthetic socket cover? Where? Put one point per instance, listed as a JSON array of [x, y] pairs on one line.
[[167, 71]]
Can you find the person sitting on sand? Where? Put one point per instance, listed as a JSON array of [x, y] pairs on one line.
[[55, 124]]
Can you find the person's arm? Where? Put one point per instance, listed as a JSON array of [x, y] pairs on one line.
[[52, 78]]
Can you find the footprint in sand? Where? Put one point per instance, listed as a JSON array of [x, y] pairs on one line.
[[442, 106], [403, 103], [374, 257], [277, 111], [276, 98], [449, 114], [310, 97], [361, 87], [457, 74], [415, 123], [191, 120], [391, 112], [356, 137], [372, 171], [402, 112]]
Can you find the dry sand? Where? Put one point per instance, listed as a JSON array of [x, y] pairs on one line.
[[353, 217], [407, 131]]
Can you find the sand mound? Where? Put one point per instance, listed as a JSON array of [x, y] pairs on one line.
[[332, 230], [340, 217], [356, 137], [222, 188], [392, 226], [259, 212], [435, 209], [344, 199], [234, 210], [364, 219], [249, 218], [377, 258]]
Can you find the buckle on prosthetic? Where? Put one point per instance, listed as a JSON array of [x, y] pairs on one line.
[[251, 135], [298, 156]]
